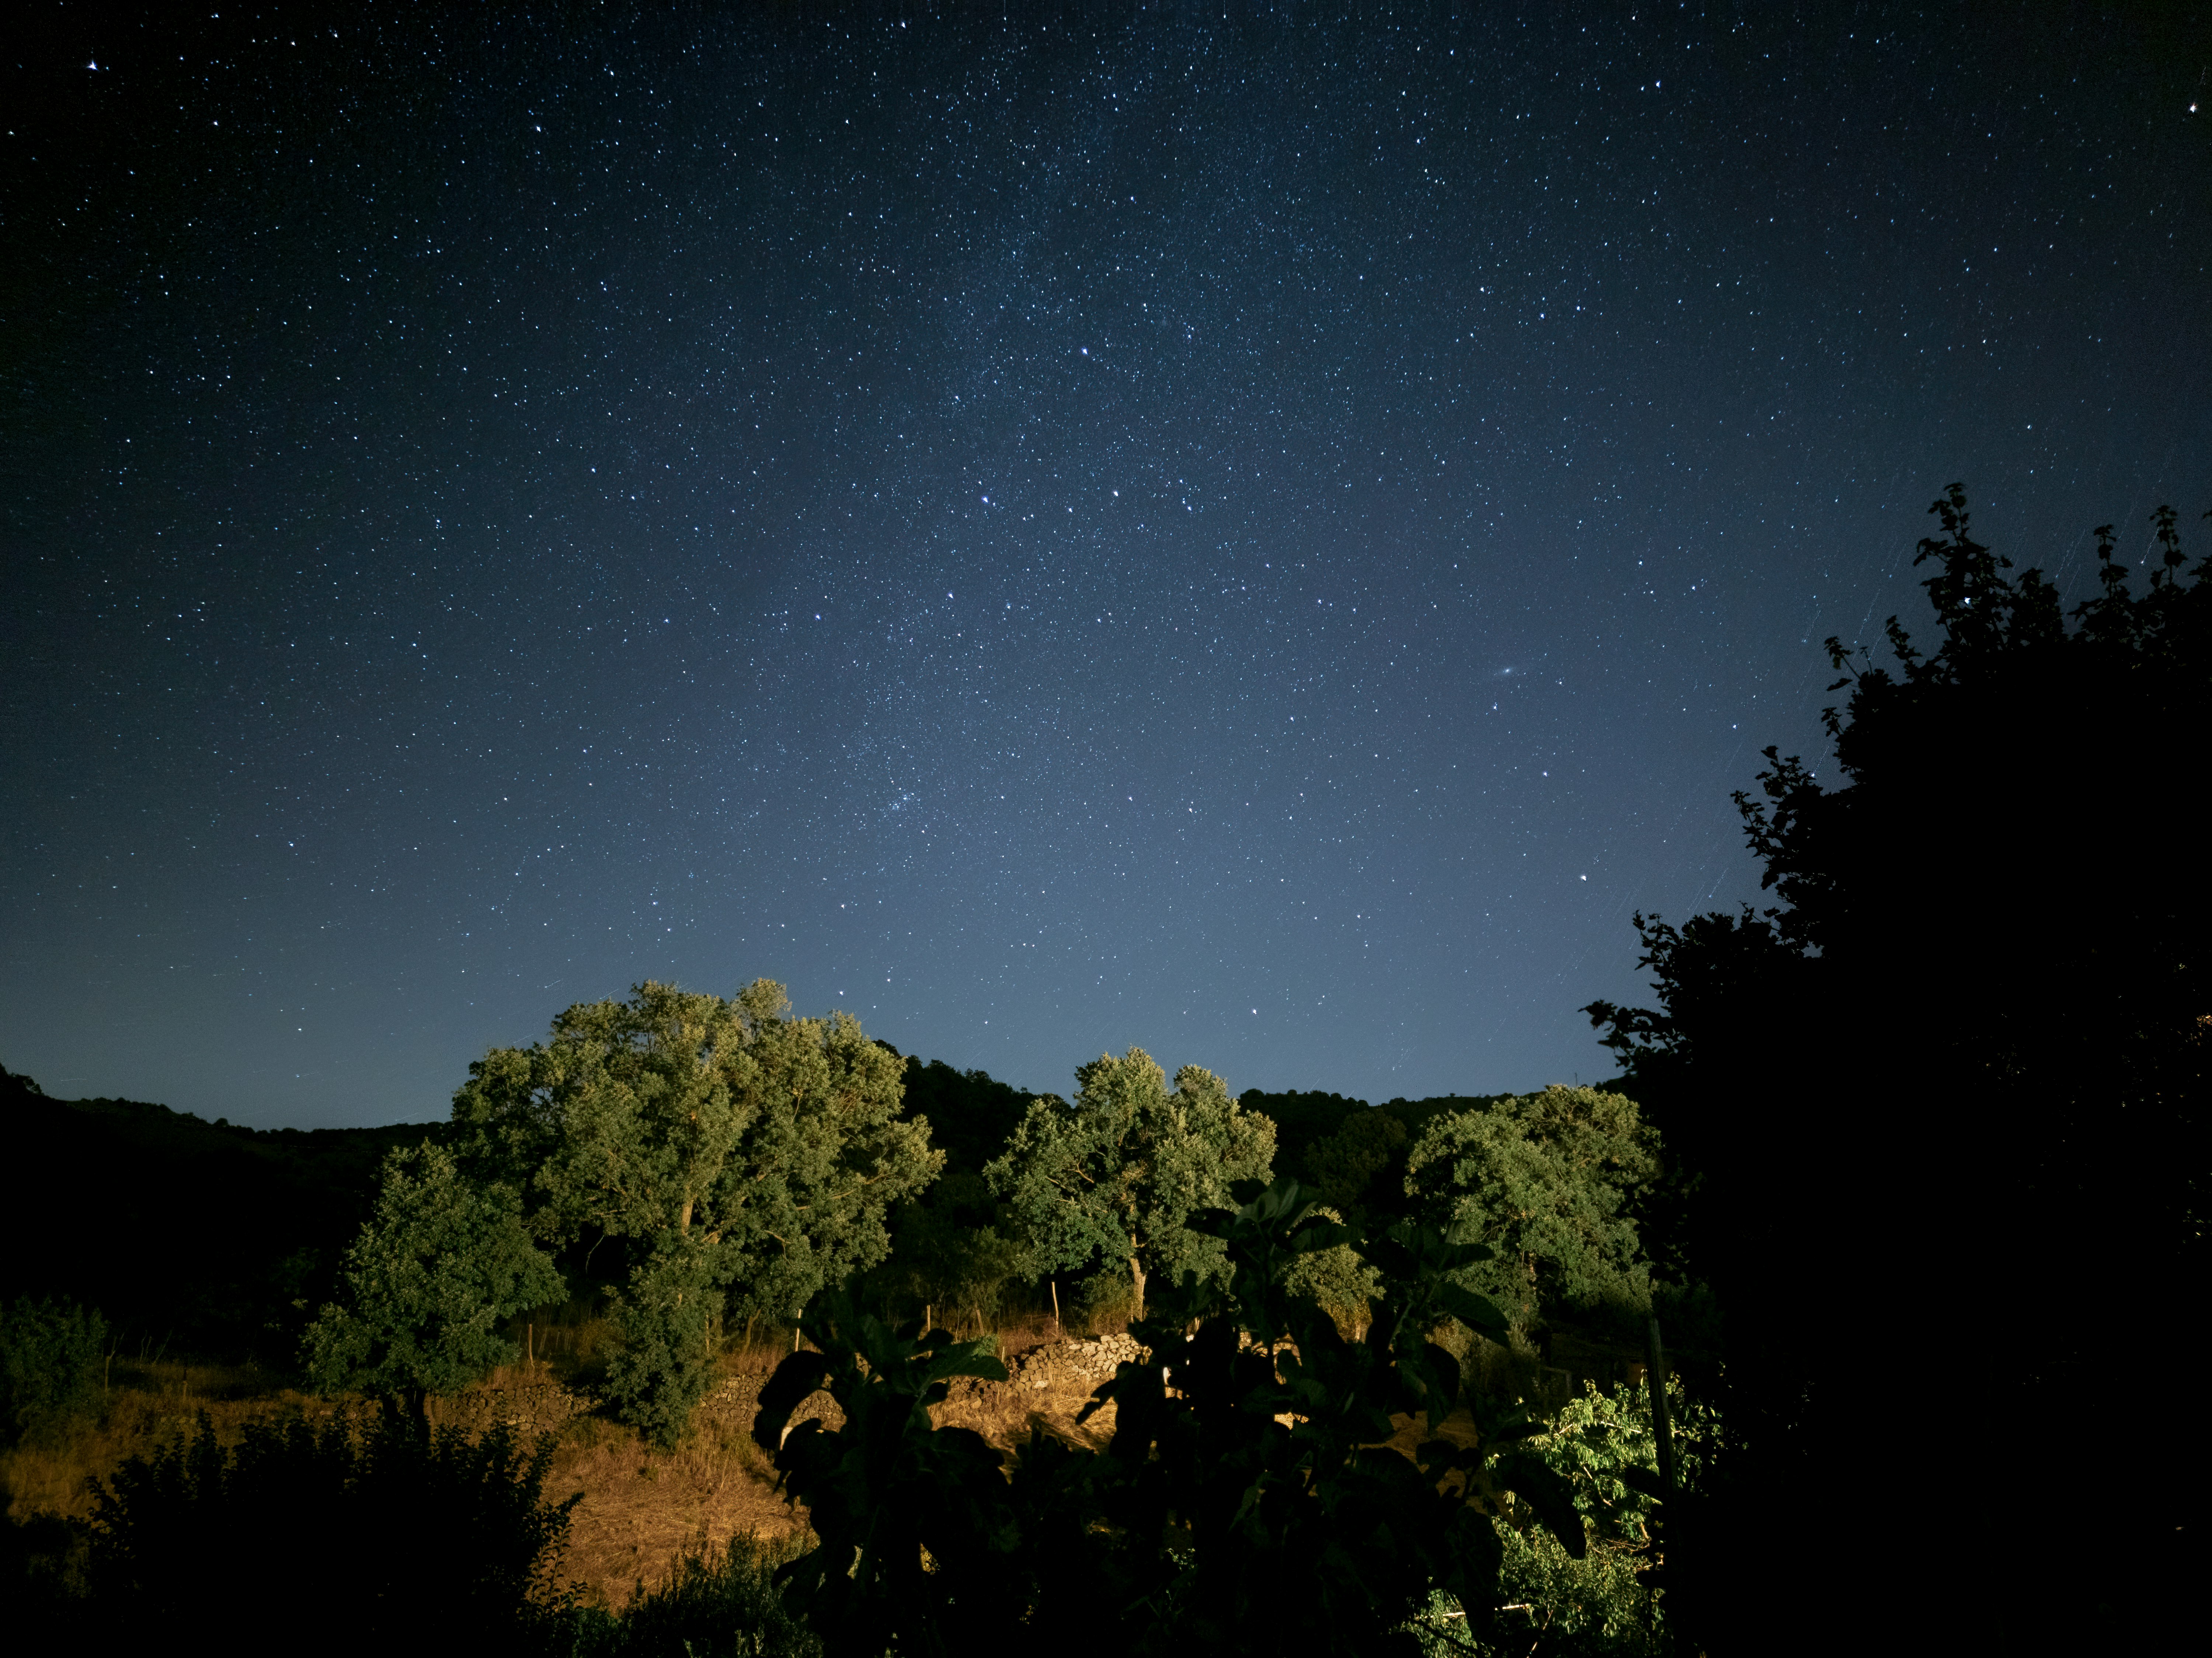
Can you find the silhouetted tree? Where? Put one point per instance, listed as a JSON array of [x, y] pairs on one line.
[[1956, 1073]]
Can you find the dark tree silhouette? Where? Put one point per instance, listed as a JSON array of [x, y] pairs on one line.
[[1949, 1089]]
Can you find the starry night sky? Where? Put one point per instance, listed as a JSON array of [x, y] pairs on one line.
[[1264, 539]]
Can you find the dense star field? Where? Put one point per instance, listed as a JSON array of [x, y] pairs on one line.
[[1263, 538]]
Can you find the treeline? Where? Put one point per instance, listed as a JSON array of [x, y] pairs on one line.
[[215, 1241], [707, 1165], [703, 1164]]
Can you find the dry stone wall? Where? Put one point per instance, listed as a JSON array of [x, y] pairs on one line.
[[532, 1407], [1080, 1365]]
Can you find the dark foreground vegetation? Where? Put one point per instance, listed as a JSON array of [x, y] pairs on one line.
[[1944, 1103], [1906, 1165]]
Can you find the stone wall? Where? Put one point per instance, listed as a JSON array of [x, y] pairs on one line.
[[1077, 1365]]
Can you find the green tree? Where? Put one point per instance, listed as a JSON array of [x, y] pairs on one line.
[[735, 1159], [1360, 1169], [1546, 1180], [948, 1252], [1120, 1175], [428, 1286]]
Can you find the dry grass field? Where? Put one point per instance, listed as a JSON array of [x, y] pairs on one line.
[[641, 1507]]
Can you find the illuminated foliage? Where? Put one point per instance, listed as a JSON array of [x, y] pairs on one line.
[[1546, 1180], [428, 1288], [735, 1159], [1118, 1175]]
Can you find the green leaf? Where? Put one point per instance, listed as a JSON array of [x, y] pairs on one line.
[[969, 1358], [1549, 1494], [797, 1378], [1477, 1312], [1642, 1480]]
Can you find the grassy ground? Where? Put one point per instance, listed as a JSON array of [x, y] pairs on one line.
[[642, 1508]]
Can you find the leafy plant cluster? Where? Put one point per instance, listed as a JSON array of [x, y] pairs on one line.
[[49, 1359], [1601, 1604], [1247, 1498]]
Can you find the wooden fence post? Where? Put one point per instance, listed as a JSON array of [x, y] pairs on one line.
[[1655, 1377]]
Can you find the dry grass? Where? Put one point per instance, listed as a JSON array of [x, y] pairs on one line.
[[148, 1405], [642, 1508]]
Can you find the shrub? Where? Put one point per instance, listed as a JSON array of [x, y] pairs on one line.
[[50, 1355], [316, 1535], [663, 1362], [725, 1602]]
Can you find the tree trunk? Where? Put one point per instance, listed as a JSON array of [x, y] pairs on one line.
[[1137, 1277]]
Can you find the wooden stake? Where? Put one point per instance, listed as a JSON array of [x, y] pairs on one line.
[[1655, 1377], [1055, 1309]]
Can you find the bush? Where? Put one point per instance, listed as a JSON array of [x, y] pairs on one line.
[[710, 1604], [50, 1354], [665, 1359], [316, 1535]]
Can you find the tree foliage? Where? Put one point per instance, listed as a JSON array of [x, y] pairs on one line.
[[1548, 1182], [949, 1251], [1360, 1168], [735, 1158], [50, 1355], [1119, 1174], [430, 1285]]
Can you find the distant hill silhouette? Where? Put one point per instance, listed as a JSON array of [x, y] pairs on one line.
[[202, 1235]]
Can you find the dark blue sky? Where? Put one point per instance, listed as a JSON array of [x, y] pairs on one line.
[[1266, 539]]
